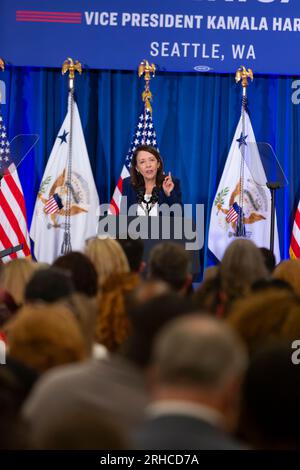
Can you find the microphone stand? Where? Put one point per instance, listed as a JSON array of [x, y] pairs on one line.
[[148, 209], [272, 187], [152, 200]]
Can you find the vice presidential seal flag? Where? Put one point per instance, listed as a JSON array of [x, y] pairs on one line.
[[49, 218], [256, 197]]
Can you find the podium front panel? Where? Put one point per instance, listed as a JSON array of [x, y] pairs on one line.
[[154, 230]]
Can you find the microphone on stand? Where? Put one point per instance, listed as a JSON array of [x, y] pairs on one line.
[[141, 197], [153, 199]]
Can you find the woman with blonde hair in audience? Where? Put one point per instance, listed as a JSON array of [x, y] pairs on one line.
[[107, 256], [14, 277]]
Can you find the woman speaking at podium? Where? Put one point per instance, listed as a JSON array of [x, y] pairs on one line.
[[147, 185]]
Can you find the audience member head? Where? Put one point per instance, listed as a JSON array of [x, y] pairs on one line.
[[210, 273], [49, 285], [265, 317], [14, 277], [147, 318], [112, 324], [207, 296], [147, 290], [201, 360], [170, 263], [82, 271], [269, 259], [85, 311], [289, 271], [270, 408], [107, 256], [241, 266], [43, 336], [134, 250], [266, 284], [8, 306]]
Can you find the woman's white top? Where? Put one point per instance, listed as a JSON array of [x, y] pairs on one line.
[[142, 208]]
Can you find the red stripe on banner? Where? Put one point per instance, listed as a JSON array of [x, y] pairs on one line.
[[6, 242], [116, 208], [48, 13], [36, 20], [295, 246], [120, 184], [15, 190], [14, 223]]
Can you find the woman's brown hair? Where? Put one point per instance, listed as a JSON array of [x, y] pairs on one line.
[[137, 179], [112, 324]]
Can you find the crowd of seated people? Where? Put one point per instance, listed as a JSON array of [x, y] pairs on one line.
[[104, 352]]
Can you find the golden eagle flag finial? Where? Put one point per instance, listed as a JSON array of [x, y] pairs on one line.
[[71, 67], [243, 75], [146, 69]]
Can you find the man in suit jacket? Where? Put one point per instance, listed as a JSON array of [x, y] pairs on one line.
[[198, 363]]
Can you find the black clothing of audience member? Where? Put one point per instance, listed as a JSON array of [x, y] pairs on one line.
[[270, 407]]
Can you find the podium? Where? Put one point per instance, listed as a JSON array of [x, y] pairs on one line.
[[9, 251], [154, 230]]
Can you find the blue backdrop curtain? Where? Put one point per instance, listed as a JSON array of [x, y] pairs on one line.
[[195, 118]]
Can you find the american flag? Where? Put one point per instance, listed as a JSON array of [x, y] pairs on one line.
[[13, 220], [144, 135], [53, 205], [295, 238], [233, 214]]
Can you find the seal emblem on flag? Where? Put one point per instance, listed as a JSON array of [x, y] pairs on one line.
[[255, 204], [54, 204]]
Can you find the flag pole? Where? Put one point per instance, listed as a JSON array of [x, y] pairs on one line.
[[71, 67], [146, 69], [242, 75]]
